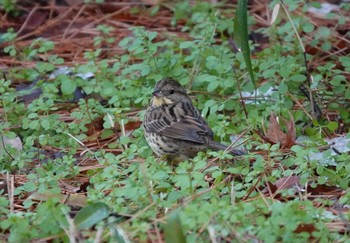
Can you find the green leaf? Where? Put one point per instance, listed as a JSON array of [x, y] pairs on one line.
[[34, 124], [332, 126], [43, 67], [32, 115], [308, 27], [347, 94], [231, 104], [106, 133], [345, 61], [151, 35], [173, 229], [124, 140], [43, 140], [283, 88], [186, 44], [68, 86], [45, 123], [91, 215], [241, 35], [145, 70], [207, 78], [324, 31], [298, 78], [154, 10], [212, 86]]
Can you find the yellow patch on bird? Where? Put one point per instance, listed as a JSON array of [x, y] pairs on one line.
[[161, 101]]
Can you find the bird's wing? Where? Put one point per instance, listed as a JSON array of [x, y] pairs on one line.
[[189, 128]]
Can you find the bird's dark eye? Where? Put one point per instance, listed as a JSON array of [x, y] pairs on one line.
[[172, 91]]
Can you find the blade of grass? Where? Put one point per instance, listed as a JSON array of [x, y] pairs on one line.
[[241, 35], [173, 229]]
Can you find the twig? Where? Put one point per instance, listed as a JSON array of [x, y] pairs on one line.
[[10, 188], [27, 19], [72, 22]]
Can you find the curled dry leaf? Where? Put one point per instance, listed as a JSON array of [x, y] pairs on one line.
[[282, 184], [275, 134], [287, 182]]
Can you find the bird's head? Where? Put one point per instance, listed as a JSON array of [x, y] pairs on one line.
[[168, 91]]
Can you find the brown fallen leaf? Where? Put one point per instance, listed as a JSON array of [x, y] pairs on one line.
[[274, 131], [275, 134], [305, 228], [281, 184], [287, 182], [291, 133]]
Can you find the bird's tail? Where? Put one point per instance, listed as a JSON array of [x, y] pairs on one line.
[[219, 146]]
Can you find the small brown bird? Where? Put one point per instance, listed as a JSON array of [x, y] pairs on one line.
[[174, 128]]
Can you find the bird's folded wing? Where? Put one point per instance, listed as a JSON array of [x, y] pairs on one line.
[[189, 129]]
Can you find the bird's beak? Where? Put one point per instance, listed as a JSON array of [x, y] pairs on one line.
[[157, 93]]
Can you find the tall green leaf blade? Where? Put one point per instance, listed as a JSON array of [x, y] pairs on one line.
[[91, 215], [173, 230], [241, 35]]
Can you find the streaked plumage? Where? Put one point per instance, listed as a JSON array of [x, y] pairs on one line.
[[173, 127]]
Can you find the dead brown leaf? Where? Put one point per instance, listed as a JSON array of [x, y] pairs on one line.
[[305, 228], [275, 134], [287, 182], [274, 131]]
